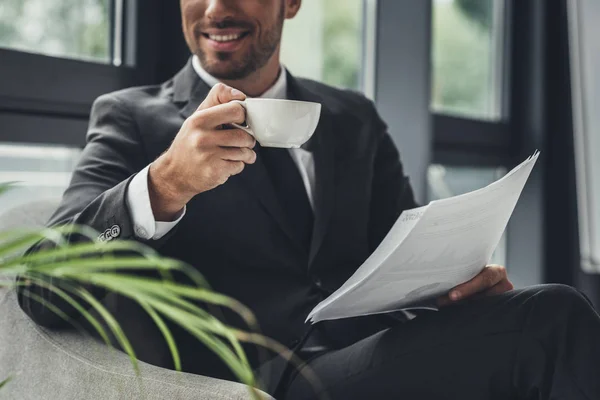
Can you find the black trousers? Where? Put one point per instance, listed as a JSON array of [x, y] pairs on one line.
[[542, 342]]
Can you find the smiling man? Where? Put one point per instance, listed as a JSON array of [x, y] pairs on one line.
[[281, 229]]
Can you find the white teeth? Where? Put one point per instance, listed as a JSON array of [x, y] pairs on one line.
[[224, 38]]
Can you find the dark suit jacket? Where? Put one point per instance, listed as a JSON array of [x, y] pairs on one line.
[[237, 235]]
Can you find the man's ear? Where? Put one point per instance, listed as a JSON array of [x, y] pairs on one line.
[[291, 8]]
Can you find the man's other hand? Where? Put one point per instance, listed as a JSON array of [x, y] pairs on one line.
[[492, 280], [203, 155]]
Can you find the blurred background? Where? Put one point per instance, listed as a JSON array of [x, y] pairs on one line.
[[469, 88]]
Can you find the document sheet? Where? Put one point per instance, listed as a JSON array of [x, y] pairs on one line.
[[429, 250]]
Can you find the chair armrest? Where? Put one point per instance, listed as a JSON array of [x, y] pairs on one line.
[[68, 365]]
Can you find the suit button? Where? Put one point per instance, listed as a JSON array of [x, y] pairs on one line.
[[115, 231]]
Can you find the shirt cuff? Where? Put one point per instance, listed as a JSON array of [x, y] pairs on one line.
[[138, 201]]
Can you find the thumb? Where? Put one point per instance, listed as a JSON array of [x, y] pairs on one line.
[[221, 94]]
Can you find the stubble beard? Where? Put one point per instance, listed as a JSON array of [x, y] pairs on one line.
[[256, 57]]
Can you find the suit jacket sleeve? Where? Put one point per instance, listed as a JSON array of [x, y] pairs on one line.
[[391, 192], [96, 196]]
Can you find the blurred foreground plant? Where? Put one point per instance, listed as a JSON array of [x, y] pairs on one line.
[[68, 269]]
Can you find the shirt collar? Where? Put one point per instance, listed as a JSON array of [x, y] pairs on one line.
[[277, 91]]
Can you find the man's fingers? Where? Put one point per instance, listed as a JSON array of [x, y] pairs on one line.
[[218, 115], [243, 154], [221, 94], [222, 170], [232, 138], [233, 168], [490, 281], [488, 278], [224, 138], [501, 287]]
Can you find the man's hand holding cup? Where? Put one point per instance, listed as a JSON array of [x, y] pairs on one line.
[[203, 155]]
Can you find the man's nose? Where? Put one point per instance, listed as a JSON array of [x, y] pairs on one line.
[[219, 9]]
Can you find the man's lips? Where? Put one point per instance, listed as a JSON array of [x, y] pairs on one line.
[[225, 39]]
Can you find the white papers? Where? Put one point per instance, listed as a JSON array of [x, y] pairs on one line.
[[429, 250]]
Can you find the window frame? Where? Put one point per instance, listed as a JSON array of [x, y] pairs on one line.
[[465, 140], [47, 100]]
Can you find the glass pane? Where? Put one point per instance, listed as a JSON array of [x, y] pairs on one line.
[[324, 42], [40, 172], [466, 54], [444, 181], [64, 28]]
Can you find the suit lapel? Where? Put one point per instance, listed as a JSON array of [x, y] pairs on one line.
[[189, 91], [322, 146]]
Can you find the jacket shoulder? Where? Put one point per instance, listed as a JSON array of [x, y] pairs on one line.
[[139, 96]]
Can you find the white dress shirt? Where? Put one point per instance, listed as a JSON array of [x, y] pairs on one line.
[[138, 199]]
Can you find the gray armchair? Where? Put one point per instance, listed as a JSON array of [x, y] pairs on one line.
[[67, 365]]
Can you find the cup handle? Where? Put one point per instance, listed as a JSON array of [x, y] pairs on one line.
[[246, 127]]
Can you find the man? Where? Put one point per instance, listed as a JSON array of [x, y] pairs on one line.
[[280, 230]]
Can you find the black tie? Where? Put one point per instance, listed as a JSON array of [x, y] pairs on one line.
[[290, 191]]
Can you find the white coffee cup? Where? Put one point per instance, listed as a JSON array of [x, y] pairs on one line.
[[280, 123]]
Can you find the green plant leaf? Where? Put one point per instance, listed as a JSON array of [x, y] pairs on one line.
[[83, 249], [71, 262], [186, 320], [113, 324], [176, 291], [73, 266], [141, 288], [51, 307], [111, 266], [57, 236], [200, 324], [5, 382], [164, 297], [23, 242], [42, 281], [26, 238], [160, 323], [6, 186], [210, 324]]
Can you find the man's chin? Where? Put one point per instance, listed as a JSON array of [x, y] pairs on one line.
[[226, 70]]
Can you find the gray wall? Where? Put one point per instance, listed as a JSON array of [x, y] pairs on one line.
[[402, 89], [585, 57]]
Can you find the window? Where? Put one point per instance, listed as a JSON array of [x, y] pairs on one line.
[[585, 64], [467, 49], [38, 172], [64, 28], [447, 181], [324, 42], [58, 56], [471, 129]]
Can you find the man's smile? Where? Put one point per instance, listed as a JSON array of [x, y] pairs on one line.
[[225, 40]]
